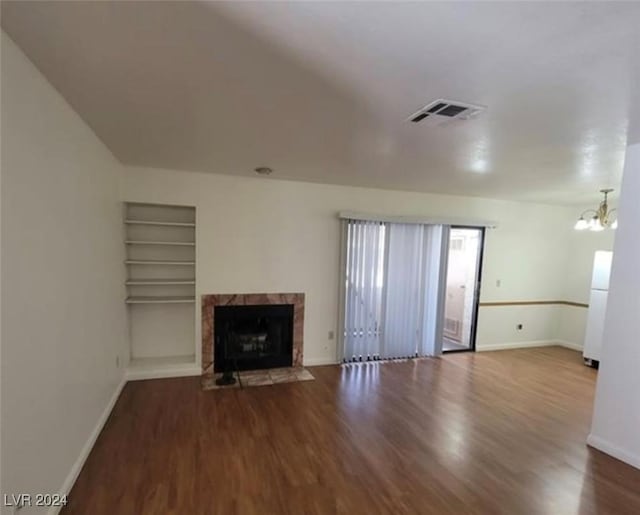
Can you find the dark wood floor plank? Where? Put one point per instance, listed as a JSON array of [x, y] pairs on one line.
[[488, 433]]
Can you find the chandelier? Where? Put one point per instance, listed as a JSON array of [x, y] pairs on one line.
[[598, 219]]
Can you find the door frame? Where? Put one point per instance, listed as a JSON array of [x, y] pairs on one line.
[[477, 288]]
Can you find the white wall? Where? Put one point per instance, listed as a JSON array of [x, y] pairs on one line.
[[582, 245], [616, 419], [259, 234], [62, 281]]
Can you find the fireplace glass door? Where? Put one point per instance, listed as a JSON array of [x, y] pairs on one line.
[[253, 337]]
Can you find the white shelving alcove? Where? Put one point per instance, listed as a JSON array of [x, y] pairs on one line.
[[161, 265]]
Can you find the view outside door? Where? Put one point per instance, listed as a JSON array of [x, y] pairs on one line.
[[465, 246]]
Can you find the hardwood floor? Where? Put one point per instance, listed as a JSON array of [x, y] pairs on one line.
[[487, 433]]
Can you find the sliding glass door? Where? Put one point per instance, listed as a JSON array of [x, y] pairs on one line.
[[393, 290], [464, 264]]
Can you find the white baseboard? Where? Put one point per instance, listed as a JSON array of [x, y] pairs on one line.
[[613, 450], [570, 345], [129, 375], [133, 375], [162, 373], [316, 362], [86, 449], [515, 345]]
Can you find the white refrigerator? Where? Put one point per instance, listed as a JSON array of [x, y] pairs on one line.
[[597, 307]]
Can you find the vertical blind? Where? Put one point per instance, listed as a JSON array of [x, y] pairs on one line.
[[393, 277], [366, 243]]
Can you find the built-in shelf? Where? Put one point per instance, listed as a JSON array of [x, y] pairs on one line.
[[158, 262], [158, 282], [165, 361], [178, 243], [165, 224], [169, 366], [160, 300]]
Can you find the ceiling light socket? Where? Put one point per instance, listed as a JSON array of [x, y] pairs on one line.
[[264, 170]]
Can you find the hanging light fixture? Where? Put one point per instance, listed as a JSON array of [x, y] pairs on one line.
[[598, 219]]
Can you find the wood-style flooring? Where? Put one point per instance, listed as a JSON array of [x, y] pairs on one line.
[[487, 433]]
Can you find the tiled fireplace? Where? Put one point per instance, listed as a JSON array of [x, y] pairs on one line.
[[252, 328]]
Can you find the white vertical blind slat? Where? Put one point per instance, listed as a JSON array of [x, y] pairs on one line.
[[366, 289], [360, 283], [348, 321]]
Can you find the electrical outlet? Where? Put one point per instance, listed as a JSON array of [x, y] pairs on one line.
[[498, 283], [331, 335], [117, 361], [519, 327]]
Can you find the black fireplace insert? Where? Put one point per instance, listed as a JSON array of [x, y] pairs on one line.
[[253, 337]]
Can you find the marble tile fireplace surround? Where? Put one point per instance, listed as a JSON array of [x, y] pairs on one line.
[[209, 302]]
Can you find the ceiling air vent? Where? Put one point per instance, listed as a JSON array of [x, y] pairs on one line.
[[446, 109]]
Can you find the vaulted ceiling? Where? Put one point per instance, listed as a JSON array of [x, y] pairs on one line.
[[321, 91]]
